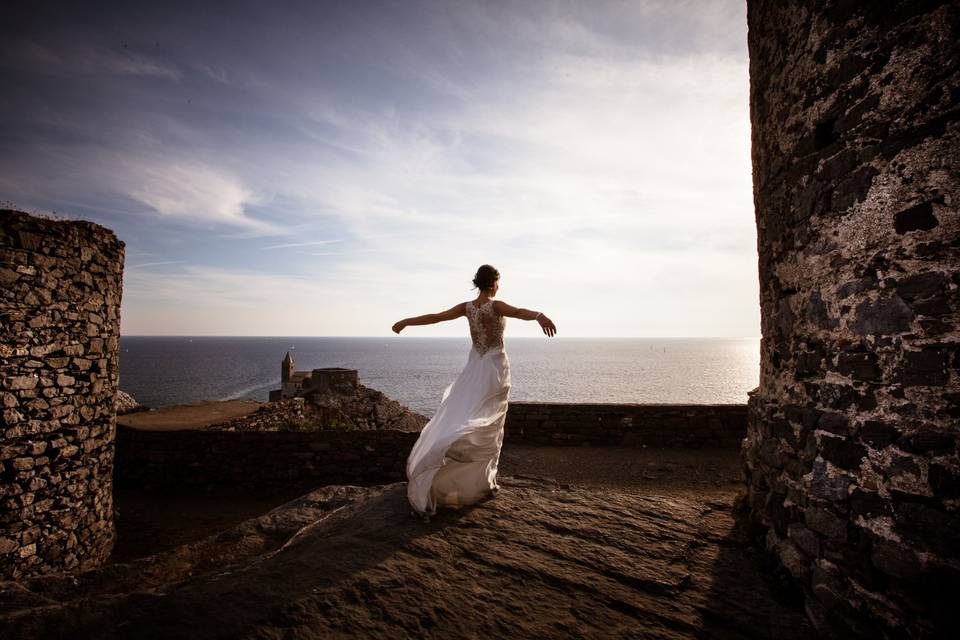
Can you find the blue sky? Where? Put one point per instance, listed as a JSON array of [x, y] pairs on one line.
[[327, 168]]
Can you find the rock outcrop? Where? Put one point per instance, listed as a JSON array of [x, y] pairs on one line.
[[351, 408], [125, 403], [368, 408]]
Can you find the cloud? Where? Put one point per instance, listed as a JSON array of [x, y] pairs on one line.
[[598, 153], [192, 192], [291, 245], [70, 56], [154, 264]]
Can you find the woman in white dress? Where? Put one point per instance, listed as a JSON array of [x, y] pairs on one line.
[[454, 462]]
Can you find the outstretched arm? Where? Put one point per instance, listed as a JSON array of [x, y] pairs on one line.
[[546, 323], [431, 318]]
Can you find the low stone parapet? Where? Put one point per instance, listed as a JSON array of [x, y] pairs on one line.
[[703, 426], [315, 458], [260, 458]]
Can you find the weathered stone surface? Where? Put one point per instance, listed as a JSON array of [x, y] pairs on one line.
[[537, 561], [917, 218], [837, 423], [882, 316], [878, 434], [846, 453], [859, 366], [921, 285], [18, 383], [855, 111], [928, 366], [58, 425]]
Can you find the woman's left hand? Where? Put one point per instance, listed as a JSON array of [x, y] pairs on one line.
[[398, 326], [547, 325]]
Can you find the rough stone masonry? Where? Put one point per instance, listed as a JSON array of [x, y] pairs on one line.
[[851, 451], [60, 288]]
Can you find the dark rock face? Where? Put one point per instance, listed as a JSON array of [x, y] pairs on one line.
[[59, 328], [851, 450]]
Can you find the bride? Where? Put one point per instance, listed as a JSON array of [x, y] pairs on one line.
[[454, 462]]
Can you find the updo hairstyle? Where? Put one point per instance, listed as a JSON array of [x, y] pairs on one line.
[[486, 276]]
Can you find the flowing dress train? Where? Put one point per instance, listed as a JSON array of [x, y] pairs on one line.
[[454, 462]]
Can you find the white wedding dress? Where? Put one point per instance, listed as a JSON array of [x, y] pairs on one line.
[[454, 462]]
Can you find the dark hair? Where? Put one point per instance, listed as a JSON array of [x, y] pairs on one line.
[[486, 276]]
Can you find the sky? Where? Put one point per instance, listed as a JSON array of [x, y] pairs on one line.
[[327, 168]]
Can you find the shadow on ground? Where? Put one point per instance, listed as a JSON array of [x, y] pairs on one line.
[[539, 560]]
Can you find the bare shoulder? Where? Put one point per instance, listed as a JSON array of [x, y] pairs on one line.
[[503, 308], [455, 311]]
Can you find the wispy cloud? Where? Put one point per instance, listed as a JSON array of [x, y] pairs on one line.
[[68, 56], [311, 243], [154, 264], [193, 192]]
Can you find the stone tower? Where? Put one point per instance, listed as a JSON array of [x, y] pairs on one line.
[[286, 369], [60, 288], [852, 446]]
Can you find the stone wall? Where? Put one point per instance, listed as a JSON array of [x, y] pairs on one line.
[[852, 442], [159, 459], [706, 426], [59, 326], [334, 456]]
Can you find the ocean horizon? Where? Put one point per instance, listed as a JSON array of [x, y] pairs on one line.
[[166, 370]]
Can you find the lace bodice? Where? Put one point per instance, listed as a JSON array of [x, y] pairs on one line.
[[486, 326]]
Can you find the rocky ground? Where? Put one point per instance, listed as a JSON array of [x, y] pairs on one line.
[[189, 416], [542, 559], [153, 521]]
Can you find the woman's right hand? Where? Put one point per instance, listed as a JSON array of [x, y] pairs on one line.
[[398, 326]]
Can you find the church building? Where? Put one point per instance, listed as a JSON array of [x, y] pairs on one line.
[[295, 383], [291, 380]]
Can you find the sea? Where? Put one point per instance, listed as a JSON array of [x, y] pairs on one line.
[[163, 371]]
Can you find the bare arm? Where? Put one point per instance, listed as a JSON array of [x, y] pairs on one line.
[[504, 309], [431, 318]]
